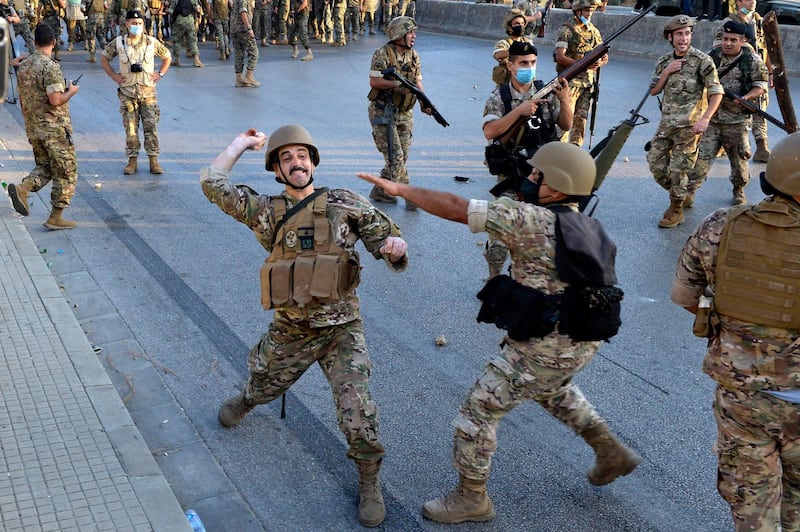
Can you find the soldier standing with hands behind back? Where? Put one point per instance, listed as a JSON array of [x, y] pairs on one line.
[[137, 78], [685, 75]]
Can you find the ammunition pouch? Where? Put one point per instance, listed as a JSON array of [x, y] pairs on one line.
[[706, 323], [403, 102], [522, 311], [590, 313], [322, 278], [502, 161]]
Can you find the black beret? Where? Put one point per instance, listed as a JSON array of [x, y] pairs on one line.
[[522, 48], [734, 27], [134, 13]]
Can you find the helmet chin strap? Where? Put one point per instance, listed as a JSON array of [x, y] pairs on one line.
[[403, 43], [285, 181]]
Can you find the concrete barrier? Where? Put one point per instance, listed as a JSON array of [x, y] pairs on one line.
[[644, 39]]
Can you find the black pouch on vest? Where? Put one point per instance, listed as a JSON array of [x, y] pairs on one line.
[[590, 313], [522, 311], [499, 160]]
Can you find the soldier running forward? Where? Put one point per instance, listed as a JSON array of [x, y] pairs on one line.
[[685, 75], [310, 281], [551, 333], [747, 257]]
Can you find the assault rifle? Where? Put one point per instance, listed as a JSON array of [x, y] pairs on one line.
[[753, 108], [575, 69], [545, 14], [391, 73]]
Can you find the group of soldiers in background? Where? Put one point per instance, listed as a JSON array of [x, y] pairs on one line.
[[97, 22]]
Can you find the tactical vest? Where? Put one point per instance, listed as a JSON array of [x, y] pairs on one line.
[[155, 5], [403, 102], [305, 264], [147, 60], [758, 267], [744, 62], [536, 132]]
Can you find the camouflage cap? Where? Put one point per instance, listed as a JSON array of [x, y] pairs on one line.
[[583, 4], [510, 15], [677, 22], [398, 27]]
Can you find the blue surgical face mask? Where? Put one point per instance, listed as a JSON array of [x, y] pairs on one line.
[[584, 20], [135, 30], [526, 75]]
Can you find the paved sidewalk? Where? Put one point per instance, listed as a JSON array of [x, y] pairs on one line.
[[71, 457]]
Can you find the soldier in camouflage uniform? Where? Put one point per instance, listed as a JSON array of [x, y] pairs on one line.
[[514, 24], [553, 117], [338, 10], [322, 12], [533, 17], [692, 93], [220, 16], [747, 257], [391, 106], [537, 368], [299, 30], [137, 78], [282, 13], [51, 15], [95, 30], [244, 44], [45, 108], [262, 20], [325, 328], [575, 38], [184, 28], [743, 73], [22, 27], [746, 14]]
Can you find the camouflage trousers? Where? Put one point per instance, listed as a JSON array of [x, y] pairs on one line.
[[337, 14], [299, 30], [95, 32], [289, 348], [398, 132], [147, 111], [262, 22], [184, 28], [55, 161], [244, 47], [732, 137], [283, 17], [758, 451], [510, 379], [54, 21], [673, 152], [759, 122], [222, 32], [352, 20], [581, 100], [72, 26], [322, 12], [23, 29]]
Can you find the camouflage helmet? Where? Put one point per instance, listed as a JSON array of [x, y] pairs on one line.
[[566, 168], [398, 27], [510, 15], [677, 22], [783, 165], [583, 4], [286, 136]]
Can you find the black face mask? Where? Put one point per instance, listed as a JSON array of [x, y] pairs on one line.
[[529, 191], [516, 31]]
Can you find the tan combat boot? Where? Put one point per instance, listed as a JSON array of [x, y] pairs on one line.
[[378, 194], [308, 57], [56, 222], [295, 51], [762, 151], [19, 197], [688, 201], [197, 61], [131, 166], [233, 410], [371, 510], [250, 80], [673, 215], [264, 42], [240, 82], [176, 61], [282, 40], [222, 56], [738, 195], [91, 59], [467, 502], [155, 168], [612, 458]]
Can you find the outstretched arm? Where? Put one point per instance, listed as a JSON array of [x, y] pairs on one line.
[[249, 140], [441, 204]]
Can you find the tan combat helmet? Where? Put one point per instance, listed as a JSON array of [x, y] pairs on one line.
[[398, 27], [566, 168], [512, 14], [577, 5], [677, 22], [287, 136], [783, 165]]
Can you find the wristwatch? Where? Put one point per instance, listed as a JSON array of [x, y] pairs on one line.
[[161, 74]]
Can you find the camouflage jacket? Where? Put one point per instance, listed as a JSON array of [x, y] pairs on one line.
[[352, 216], [744, 355], [406, 63], [239, 7], [750, 71], [684, 99], [755, 39], [578, 39], [39, 76], [529, 232]]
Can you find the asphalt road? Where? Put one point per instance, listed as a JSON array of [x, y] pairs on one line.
[[167, 284]]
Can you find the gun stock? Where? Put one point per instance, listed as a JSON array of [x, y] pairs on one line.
[[575, 69], [752, 108], [391, 73]]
